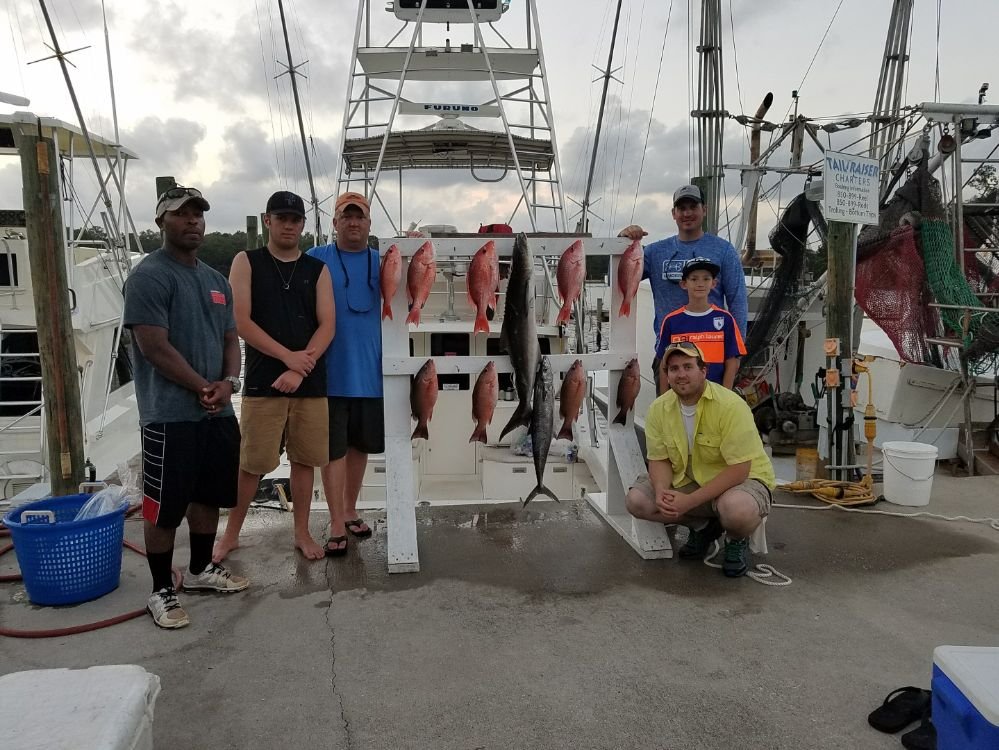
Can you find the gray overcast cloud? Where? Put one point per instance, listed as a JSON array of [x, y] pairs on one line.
[[198, 98]]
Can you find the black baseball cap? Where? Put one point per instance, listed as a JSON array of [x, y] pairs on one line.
[[286, 202], [696, 264]]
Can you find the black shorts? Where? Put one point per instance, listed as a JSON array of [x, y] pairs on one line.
[[357, 423], [188, 462]]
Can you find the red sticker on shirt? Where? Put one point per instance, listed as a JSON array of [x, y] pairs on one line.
[[218, 297]]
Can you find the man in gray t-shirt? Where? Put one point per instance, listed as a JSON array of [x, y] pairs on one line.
[[186, 356]]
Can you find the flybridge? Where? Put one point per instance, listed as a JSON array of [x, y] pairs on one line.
[[449, 11], [849, 166]]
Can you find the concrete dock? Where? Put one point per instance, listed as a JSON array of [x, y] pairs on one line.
[[540, 628]]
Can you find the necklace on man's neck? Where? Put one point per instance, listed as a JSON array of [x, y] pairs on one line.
[[286, 285]]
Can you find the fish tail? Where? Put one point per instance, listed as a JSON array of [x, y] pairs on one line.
[[566, 432], [481, 323], [563, 314], [518, 419], [414, 315], [478, 434], [625, 309], [387, 311], [421, 431], [622, 417], [541, 490]]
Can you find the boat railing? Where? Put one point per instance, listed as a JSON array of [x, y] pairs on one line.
[[10, 446]]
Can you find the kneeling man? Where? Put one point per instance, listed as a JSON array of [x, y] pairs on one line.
[[707, 467]]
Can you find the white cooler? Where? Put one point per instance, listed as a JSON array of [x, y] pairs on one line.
[[66, 709]]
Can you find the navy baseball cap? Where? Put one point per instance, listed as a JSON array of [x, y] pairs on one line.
[[285, 202], [696, 264]]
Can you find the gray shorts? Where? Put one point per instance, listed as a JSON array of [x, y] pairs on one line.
[[752, 487]]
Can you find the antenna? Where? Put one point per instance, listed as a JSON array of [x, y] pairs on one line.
[[606, 75], [292, 71]]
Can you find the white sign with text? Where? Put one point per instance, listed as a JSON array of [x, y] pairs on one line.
[[851, 186]]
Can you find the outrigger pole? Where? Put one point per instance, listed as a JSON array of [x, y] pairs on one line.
[[292, 71], [582, 225]]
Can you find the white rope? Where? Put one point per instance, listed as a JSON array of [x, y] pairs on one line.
[[768, 575], [993, 523], [761, 573]]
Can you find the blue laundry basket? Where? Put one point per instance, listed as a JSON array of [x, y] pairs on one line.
[[68, 561]]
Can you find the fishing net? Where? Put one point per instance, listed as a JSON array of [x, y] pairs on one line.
[[950, 287], [891, 289]]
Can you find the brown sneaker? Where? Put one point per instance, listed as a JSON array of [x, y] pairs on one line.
[[166, 610], [214, 578]]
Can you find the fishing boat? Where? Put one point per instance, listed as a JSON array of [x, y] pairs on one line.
[[96, 269], [400, 122], [929, 378]]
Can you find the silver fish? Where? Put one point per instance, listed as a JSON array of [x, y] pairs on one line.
[[519, 334], [542, 427]]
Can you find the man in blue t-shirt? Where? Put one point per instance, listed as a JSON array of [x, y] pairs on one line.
[[353, 367], [664, 262]]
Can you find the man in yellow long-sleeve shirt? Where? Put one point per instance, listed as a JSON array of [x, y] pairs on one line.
[[707, 466]]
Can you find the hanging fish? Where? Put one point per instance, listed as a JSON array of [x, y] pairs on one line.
[[627, 390], [483, 276], [422, 397], [419, 280], [571, 397], [484, 397], [390, 276], [571, 274], [542, 427], [519, 334], [629, 274]]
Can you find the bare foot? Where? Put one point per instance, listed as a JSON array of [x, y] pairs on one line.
[[308, 547], [223, 547]]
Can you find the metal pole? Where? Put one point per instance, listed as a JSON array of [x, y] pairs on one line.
[[841, 252], [292, 72], [583, 224], [958, 199], [754, 158]]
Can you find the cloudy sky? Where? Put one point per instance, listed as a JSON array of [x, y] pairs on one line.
[[198, 99]]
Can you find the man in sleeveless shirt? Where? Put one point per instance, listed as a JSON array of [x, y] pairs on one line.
[[707, 466], [354, 366], [285, 314], [186, 357]]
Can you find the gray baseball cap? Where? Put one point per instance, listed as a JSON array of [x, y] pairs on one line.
[[688, 192], [177, 196]]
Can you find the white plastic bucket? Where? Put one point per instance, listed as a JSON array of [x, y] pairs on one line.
[[908, 472]]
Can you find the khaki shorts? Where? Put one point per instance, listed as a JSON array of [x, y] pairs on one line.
[[302, 422], [752, 487]]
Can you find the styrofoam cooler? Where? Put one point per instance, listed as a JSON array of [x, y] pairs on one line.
[[108, 707], [966, 697]]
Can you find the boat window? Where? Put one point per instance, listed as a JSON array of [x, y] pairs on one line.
[[455, 345], [8, 269]]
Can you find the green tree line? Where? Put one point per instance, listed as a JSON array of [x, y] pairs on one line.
[[218, 249]]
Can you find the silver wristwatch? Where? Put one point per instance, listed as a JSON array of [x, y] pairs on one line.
[[235, 382]]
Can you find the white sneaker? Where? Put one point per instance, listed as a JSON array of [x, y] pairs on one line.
[[214, 578], [166, 610]]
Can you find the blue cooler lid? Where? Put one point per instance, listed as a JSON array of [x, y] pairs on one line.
[[975, 671]]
